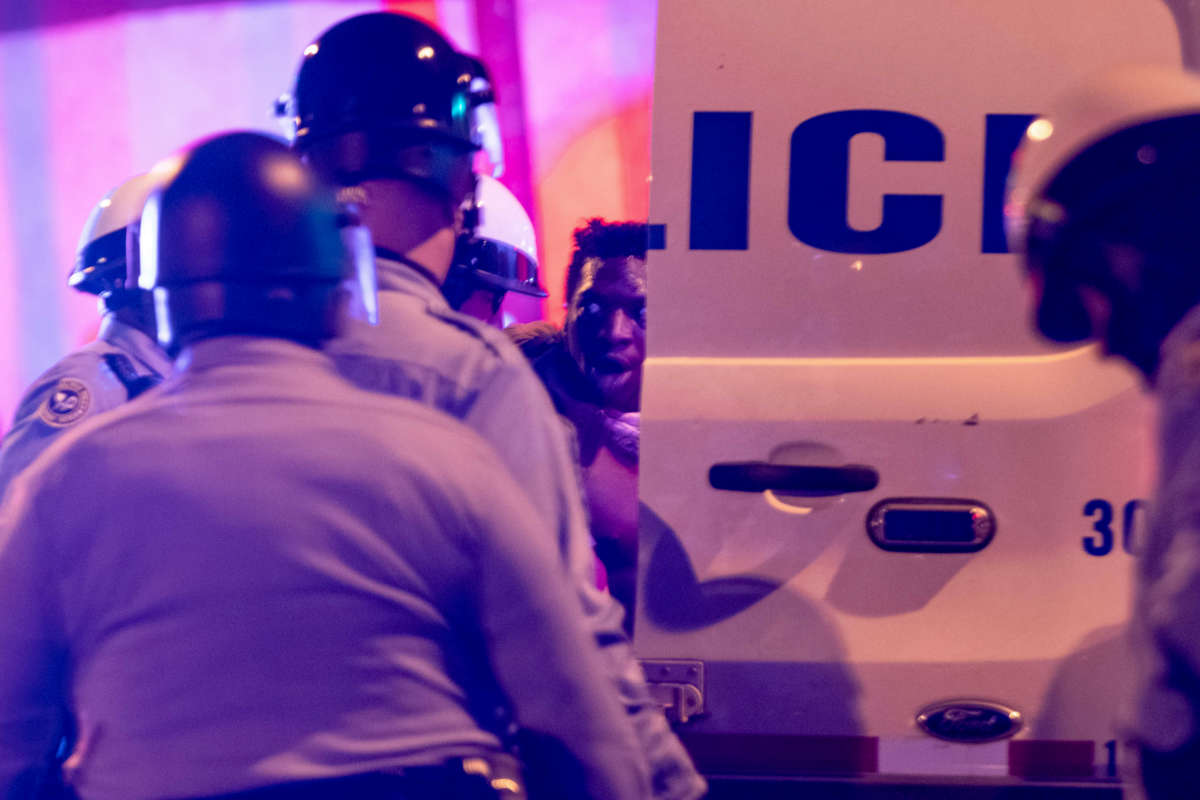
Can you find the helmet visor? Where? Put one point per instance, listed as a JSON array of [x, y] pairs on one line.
[[503, 266], [100, 266], [485, 134], [359, 283]]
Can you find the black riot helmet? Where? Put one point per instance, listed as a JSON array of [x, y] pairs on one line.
[[384, 95], [1102, 203], [242, 238]]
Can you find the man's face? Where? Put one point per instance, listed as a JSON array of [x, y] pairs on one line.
[[606, 328]]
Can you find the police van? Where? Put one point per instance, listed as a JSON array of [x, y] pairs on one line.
[[887, 532]]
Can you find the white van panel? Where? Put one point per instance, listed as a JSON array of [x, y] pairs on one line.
[[918, 363], [949, 62]]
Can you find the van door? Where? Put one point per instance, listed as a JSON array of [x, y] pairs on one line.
[[886, 530]]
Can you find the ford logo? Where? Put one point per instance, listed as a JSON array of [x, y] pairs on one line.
[[969, 721]]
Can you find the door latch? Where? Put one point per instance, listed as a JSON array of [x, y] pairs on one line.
[[677, 686]]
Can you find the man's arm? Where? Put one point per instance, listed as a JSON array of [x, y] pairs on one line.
[[515, 415], [539, 647]]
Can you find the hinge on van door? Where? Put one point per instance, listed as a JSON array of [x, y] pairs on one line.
[[677, 686]]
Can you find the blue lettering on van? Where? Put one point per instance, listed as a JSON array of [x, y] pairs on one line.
[[1102, 510], [818, 182], [1102, 542], [720, 209], [1003, 132], [1133, 525], [656, 237]]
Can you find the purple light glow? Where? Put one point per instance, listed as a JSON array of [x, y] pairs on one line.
[[94, 91]]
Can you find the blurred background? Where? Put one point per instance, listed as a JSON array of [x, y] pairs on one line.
[[93, 91]]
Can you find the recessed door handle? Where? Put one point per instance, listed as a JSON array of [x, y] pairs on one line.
[[759, 476]]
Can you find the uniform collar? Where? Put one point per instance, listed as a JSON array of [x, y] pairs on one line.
[[226, 351], [395, 276], [1177, 388], [135, 343], [1183, 337]]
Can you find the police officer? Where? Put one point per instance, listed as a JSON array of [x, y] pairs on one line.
[[124, 359], [498, 257], [1103, 203], [381, 106], [306, 590]]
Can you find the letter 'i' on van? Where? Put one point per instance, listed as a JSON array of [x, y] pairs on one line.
[[886, 531]]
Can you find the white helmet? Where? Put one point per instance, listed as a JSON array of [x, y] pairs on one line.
[[1113, 101], [101, 263], [1103, 198], [502, 253]]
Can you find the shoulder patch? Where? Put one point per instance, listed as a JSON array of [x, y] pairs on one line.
[[67, 403]]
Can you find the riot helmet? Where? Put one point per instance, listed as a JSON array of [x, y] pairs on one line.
[[501, 255], [485, 120], [385, 95], [105, 259], [1101, 204], [242, 238]]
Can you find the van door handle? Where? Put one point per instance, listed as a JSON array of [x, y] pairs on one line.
[[759, 476]]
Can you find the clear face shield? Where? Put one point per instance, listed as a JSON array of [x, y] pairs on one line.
[[359, 284], [285, 115], [485, 128]]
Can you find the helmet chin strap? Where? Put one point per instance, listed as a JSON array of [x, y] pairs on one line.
[[392, 255]]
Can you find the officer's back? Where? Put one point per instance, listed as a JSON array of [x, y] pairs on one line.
[[382, 107], [304, 586]]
